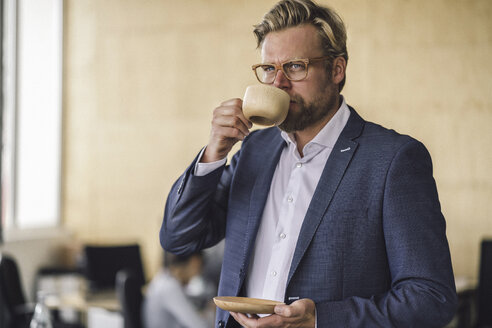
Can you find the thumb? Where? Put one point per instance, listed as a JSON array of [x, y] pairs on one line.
[[282, 309]]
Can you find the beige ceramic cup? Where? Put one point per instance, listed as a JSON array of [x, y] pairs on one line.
[[265, 104]]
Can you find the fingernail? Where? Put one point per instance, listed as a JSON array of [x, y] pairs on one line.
[[279, 309]]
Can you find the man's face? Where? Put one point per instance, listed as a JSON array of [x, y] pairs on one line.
[[313, 98]]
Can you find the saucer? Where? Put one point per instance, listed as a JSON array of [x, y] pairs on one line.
[[245, 304]]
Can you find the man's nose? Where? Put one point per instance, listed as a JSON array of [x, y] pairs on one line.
[[281, 81]]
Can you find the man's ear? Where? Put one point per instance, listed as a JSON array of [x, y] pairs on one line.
[[338, 70]]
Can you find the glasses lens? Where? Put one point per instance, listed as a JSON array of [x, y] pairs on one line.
[[265, 73], [295, 70]]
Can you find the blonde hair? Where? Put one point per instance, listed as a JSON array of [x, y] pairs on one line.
[[290, 13]]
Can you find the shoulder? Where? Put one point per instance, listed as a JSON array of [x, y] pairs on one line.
[[378, 142], [375, 136], [378, 133]]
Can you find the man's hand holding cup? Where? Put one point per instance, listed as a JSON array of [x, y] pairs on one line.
[[263, 105]]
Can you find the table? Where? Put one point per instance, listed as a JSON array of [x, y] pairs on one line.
[[72, 303]]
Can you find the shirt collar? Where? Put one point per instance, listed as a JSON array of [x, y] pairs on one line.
[[329, 134]]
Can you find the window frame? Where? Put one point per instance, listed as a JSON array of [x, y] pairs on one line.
[[11, 126]]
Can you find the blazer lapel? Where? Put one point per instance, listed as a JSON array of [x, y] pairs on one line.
[[335, 168]]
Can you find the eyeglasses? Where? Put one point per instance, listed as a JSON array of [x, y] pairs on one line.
[[294, 70]]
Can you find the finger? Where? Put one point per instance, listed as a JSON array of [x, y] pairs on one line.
[[233, 102], [234, 315], [222, 132], [245, 121], [231, 122], [285, 310], [254, 321], [237, 104], [273, 321], [233, 109], [302, 310], [243, 320]]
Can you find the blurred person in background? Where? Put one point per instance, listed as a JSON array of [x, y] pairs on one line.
[[166, 304]]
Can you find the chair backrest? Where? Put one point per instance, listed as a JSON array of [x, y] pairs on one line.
[[129, 293], [101, 263], [485, 285], [12, 297], [10, 281]]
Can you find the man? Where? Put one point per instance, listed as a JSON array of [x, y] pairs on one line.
[[335, 216]]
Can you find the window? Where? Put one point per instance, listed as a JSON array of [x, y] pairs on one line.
[[31, 107]]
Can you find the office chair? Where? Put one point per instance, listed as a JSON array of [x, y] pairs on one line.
[[16, 312], [129, 293], [484, 292]]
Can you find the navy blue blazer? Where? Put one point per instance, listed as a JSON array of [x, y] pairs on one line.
[[372, 250]]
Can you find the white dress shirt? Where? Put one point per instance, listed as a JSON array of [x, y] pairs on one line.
[[293, 185]]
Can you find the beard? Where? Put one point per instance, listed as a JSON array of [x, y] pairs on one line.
[[309, 113]]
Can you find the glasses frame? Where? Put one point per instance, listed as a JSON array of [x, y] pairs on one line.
[[280, 67]]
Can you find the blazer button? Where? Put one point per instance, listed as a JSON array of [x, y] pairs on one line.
[[220, 324]]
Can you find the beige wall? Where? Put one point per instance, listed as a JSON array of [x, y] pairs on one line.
[[142, 78]]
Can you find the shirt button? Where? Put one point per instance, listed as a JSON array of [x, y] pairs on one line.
[[290, 199], [283, 235], [274, 273], [299, 165]]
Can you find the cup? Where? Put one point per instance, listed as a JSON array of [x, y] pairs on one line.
[[265, 104]]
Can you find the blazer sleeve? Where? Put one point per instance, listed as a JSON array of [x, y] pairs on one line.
[[195, 211], [422, 291]]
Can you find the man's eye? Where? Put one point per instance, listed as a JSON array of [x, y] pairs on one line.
[[295, 66], [268, 68]]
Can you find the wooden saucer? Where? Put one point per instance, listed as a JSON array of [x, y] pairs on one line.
[[245, 304]]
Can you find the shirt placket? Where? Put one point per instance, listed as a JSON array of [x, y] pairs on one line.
[[283, 246]]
